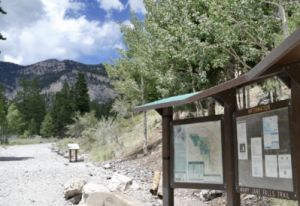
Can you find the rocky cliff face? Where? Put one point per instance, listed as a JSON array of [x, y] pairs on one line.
[[53, 73]]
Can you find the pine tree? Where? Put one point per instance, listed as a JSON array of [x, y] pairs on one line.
[[47, 127], [32, 127], [3, 123], [3, 97], [30, 102], [82, 98]]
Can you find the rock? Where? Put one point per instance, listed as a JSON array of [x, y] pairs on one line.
[[90, 188], [107, 166], [73, 187], [140, 155], [66, 164], [119, 183], [75, 200], [207, 195], [80, 159], [66, 155], [135, 186]]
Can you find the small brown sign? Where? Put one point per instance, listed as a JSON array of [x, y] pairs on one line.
[[259, 109]]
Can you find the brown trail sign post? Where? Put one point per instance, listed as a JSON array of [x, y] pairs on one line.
[[259, 148]]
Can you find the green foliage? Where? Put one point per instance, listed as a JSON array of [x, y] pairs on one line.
[[3, 97], [62, 110], [23, 137], [3, 124], [15, 120], [30, 103], [47, 126], [32, 127], [82, 98]]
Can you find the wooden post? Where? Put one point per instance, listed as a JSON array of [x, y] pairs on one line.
[[295, 94], [76, 155], [230, 106], [70, 155], [168, 192]]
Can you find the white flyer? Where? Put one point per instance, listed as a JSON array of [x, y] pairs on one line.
[[285, 166], [256, 157], [242, 140], [271, 136], [271, 166]]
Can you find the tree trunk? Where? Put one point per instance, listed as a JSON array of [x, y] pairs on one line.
[[279, 89], [271, 96], [244, 98], [248, 96], [211, 103], [202, 109], [239, 98], [145, 119], [284, 21]]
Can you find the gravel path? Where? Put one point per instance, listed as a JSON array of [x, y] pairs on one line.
[[33, 175]]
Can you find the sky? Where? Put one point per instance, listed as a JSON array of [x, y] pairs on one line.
[[80, 30]]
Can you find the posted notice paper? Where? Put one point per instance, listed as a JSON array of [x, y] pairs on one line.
[[242, 140], [285, 166], [180, 169], [271, 166], [256, 157], [271, 136]]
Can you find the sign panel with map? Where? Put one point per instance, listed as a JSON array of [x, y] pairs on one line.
[[197, 152]]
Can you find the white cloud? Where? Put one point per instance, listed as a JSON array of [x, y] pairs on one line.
[[108, 5], [138, 6], [47, 32]]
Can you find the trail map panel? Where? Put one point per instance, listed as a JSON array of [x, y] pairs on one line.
[[198, 153]]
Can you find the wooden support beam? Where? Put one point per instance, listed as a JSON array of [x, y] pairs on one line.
[[230, 106], [295, 94], [168, 192]]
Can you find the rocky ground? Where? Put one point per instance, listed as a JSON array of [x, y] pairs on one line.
[[35, 175]]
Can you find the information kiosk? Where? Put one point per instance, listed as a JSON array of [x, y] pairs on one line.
[[254, 151]]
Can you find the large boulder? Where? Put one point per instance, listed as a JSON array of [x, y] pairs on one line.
[[75, 200], [111, 199], [206, 195], [73, 187], [119, 183], [90, 188]]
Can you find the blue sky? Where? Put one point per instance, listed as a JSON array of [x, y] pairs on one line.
[[80, 30]]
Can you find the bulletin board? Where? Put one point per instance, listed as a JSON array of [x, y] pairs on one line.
[[264, 151]]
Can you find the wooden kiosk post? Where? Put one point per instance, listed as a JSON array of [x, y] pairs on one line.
[[250, 126], [230, 106]]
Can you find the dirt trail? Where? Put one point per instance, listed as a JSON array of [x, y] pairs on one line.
[[33, 175]]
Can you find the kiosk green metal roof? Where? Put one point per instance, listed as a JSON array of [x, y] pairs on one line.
[[273, 64]]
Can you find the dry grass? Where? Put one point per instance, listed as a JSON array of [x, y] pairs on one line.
[[35, 140]]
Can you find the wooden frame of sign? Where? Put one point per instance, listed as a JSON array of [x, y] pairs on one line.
[[197, 185], [285, 145]]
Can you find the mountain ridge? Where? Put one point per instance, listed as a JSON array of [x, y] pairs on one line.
[[52, 73]]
